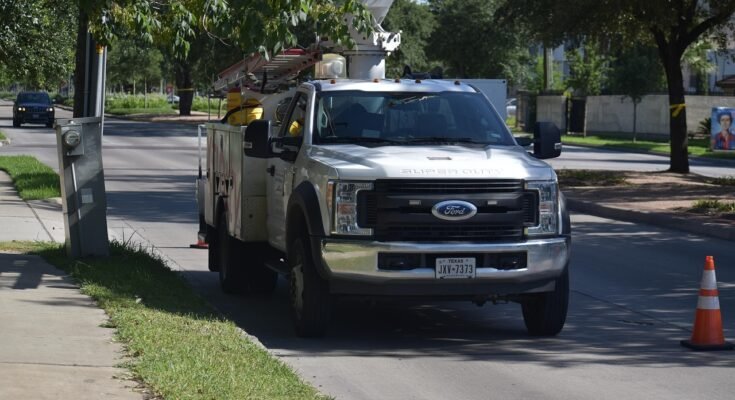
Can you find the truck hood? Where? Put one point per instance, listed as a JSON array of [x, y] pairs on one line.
[[405, 162]]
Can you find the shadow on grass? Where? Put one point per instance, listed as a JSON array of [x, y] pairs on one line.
[[132, 276]]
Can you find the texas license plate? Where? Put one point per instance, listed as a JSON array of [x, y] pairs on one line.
[[451, 268]]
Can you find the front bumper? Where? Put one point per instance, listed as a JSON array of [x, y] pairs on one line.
[[35, 117], [352, 268]]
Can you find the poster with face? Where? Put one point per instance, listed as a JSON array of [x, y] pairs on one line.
[[723, 133]]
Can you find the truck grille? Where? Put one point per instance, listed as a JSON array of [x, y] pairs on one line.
[[400, 210]]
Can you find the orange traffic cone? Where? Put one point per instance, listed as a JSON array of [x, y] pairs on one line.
[[708, 334], [200, 244]]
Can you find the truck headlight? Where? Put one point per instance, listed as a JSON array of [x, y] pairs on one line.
[[548, 206], [342, 203]]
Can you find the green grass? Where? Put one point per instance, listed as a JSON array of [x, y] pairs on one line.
[[697, 147], [2, 136], [722, 181], [714, 206], [133, 111], [180, 347], [582, 177], [32, 179]]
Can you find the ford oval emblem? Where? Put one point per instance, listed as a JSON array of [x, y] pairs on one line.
[[454, 210]]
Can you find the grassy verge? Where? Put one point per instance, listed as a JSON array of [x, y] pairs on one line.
[[714, 207], [132, 111], [180, 347], [581, 177], [32, 179], [697, 147], [2, 136]]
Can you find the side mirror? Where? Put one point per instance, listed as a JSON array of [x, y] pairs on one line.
[[257, 139], [546, 140], [523, 141]]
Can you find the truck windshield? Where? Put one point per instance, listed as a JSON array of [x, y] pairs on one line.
[[407, 118]]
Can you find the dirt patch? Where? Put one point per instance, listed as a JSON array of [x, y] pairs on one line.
[[657, 192]]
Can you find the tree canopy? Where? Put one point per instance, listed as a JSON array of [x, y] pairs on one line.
[[36, 44], [669, 25]]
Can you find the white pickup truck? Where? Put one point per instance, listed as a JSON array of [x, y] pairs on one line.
[[380, 187]]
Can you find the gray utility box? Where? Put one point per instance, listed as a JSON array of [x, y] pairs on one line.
[[79, 144]]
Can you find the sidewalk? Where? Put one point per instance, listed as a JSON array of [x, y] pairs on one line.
[[52, 343]]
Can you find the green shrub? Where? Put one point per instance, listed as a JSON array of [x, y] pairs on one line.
[[122, 101], [714, 206], [201, 103]]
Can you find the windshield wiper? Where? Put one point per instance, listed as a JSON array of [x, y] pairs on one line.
[[443, 139]]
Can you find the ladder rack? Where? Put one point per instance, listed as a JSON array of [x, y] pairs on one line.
[[261, 75]]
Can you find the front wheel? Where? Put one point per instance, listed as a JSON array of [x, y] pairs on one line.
[[310, 298], [546, 313], [16, 123]]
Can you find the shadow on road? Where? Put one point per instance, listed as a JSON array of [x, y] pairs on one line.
[[612, 319]]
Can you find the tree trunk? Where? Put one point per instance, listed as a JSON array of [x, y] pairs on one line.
[[80, 64], [677, 115], [184, 85]]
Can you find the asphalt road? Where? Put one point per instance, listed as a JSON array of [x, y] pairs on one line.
[[634, 290]]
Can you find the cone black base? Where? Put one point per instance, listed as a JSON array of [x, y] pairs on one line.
[[707, 347]]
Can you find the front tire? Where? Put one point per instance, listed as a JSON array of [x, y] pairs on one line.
[[546, 313], [310, 298], [16, 123]]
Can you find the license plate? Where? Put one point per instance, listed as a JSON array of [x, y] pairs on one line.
[[35, 116], [453, 268]]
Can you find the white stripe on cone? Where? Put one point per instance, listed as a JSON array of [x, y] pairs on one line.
[[708, 303], [709, 282]]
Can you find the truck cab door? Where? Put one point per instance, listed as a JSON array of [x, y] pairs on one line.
[[281, 171]]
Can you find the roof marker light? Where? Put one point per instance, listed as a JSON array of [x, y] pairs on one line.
[[418, 80], [376, 80], [456, 82]]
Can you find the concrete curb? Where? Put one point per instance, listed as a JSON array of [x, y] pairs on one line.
[[663, 220]]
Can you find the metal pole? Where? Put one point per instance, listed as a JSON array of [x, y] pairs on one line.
[[87, 76], [101, 83], [199, 136]]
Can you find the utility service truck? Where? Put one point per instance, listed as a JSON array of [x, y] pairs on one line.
[[359, 185]]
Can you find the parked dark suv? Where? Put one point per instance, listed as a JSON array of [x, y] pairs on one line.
[[33, 107]]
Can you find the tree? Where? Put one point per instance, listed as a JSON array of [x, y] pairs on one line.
[[253, 25], [695, 57], [416, 24], [35, 41], [588, 69], [129, 62], [470, 42], [670, 25], [634, 74]]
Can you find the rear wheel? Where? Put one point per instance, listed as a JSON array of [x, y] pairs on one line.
[[546, 313], [310, 298]]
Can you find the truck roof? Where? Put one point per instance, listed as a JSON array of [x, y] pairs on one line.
[[393, 85]]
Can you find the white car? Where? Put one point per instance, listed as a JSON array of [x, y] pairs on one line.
[[172, 98], [510, 107]]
